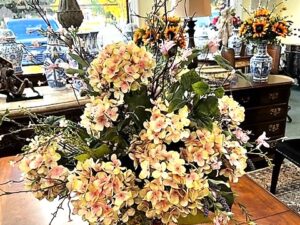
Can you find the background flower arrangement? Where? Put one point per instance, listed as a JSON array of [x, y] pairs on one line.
[[156, 144], [265, 25]]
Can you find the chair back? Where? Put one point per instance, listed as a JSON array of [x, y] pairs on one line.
[[228, 54], [275, 52]]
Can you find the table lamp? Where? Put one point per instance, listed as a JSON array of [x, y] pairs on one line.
[[190, 9]]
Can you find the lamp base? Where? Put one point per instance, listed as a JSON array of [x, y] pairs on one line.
[[191, 23]]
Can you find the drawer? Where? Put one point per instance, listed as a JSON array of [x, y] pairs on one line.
[[266, 113], [273, 129], [262, 96]]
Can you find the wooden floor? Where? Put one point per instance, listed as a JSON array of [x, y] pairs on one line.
[[24, 209]]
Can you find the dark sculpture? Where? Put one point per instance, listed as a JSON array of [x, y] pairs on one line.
[[12, 86]]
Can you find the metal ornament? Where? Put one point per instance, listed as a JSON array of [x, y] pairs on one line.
[[69, 14]]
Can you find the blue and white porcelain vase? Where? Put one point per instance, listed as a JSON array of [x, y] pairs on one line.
[[54, 56], [235, 42], [11, 50], [260, 63]]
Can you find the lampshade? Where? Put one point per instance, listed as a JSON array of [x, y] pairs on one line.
[[196, 8]]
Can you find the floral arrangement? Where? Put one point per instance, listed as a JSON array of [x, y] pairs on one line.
[[167, 28], [265, 25], [155, 145]]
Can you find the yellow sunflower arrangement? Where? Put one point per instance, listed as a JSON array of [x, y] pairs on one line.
[[264, 25], [169, 29]]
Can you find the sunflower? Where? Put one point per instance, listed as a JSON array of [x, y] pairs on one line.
[[138, 35], [243, 29], [149, 36], [260, 28], [181, 40], [280, 29], [262, 12], [173, 19], [171, 32]]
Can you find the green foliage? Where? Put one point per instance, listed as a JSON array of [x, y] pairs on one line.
[[208, 106], [176, 104], [138, 101], [83, 63], [219, 92], [188, 79], [201, 88]]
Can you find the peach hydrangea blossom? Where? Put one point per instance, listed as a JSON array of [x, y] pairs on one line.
[[100, 190], [41, 170], [231, 110], [167, 127], [171, 189], [123, 67], [98, 114]]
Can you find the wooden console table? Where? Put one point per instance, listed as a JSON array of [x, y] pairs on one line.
[[266, 105], [24, 209]]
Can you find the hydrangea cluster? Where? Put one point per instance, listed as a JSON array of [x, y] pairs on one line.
[[175, 169], [102, 112], [232, 113], [143, 150], [122, 67], [103, 191], [42, 172]]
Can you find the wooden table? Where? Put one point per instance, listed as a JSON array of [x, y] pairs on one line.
[[53, 101], [24, 209], [241, 62]]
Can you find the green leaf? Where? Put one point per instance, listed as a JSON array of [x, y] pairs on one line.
[[200, 88], [75, 71], [188, 79], [229, 196], [219, 92], [82, 157], [109, 134], [176, 104], [79, 60], [122, 144], [208, 106], [138, 102], [101, 151], [199, 218], [219, 182], [204, 122]]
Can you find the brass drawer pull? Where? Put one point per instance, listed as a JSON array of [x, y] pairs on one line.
[[273, 96], [275, 111], [274, 127], [245, 99]]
